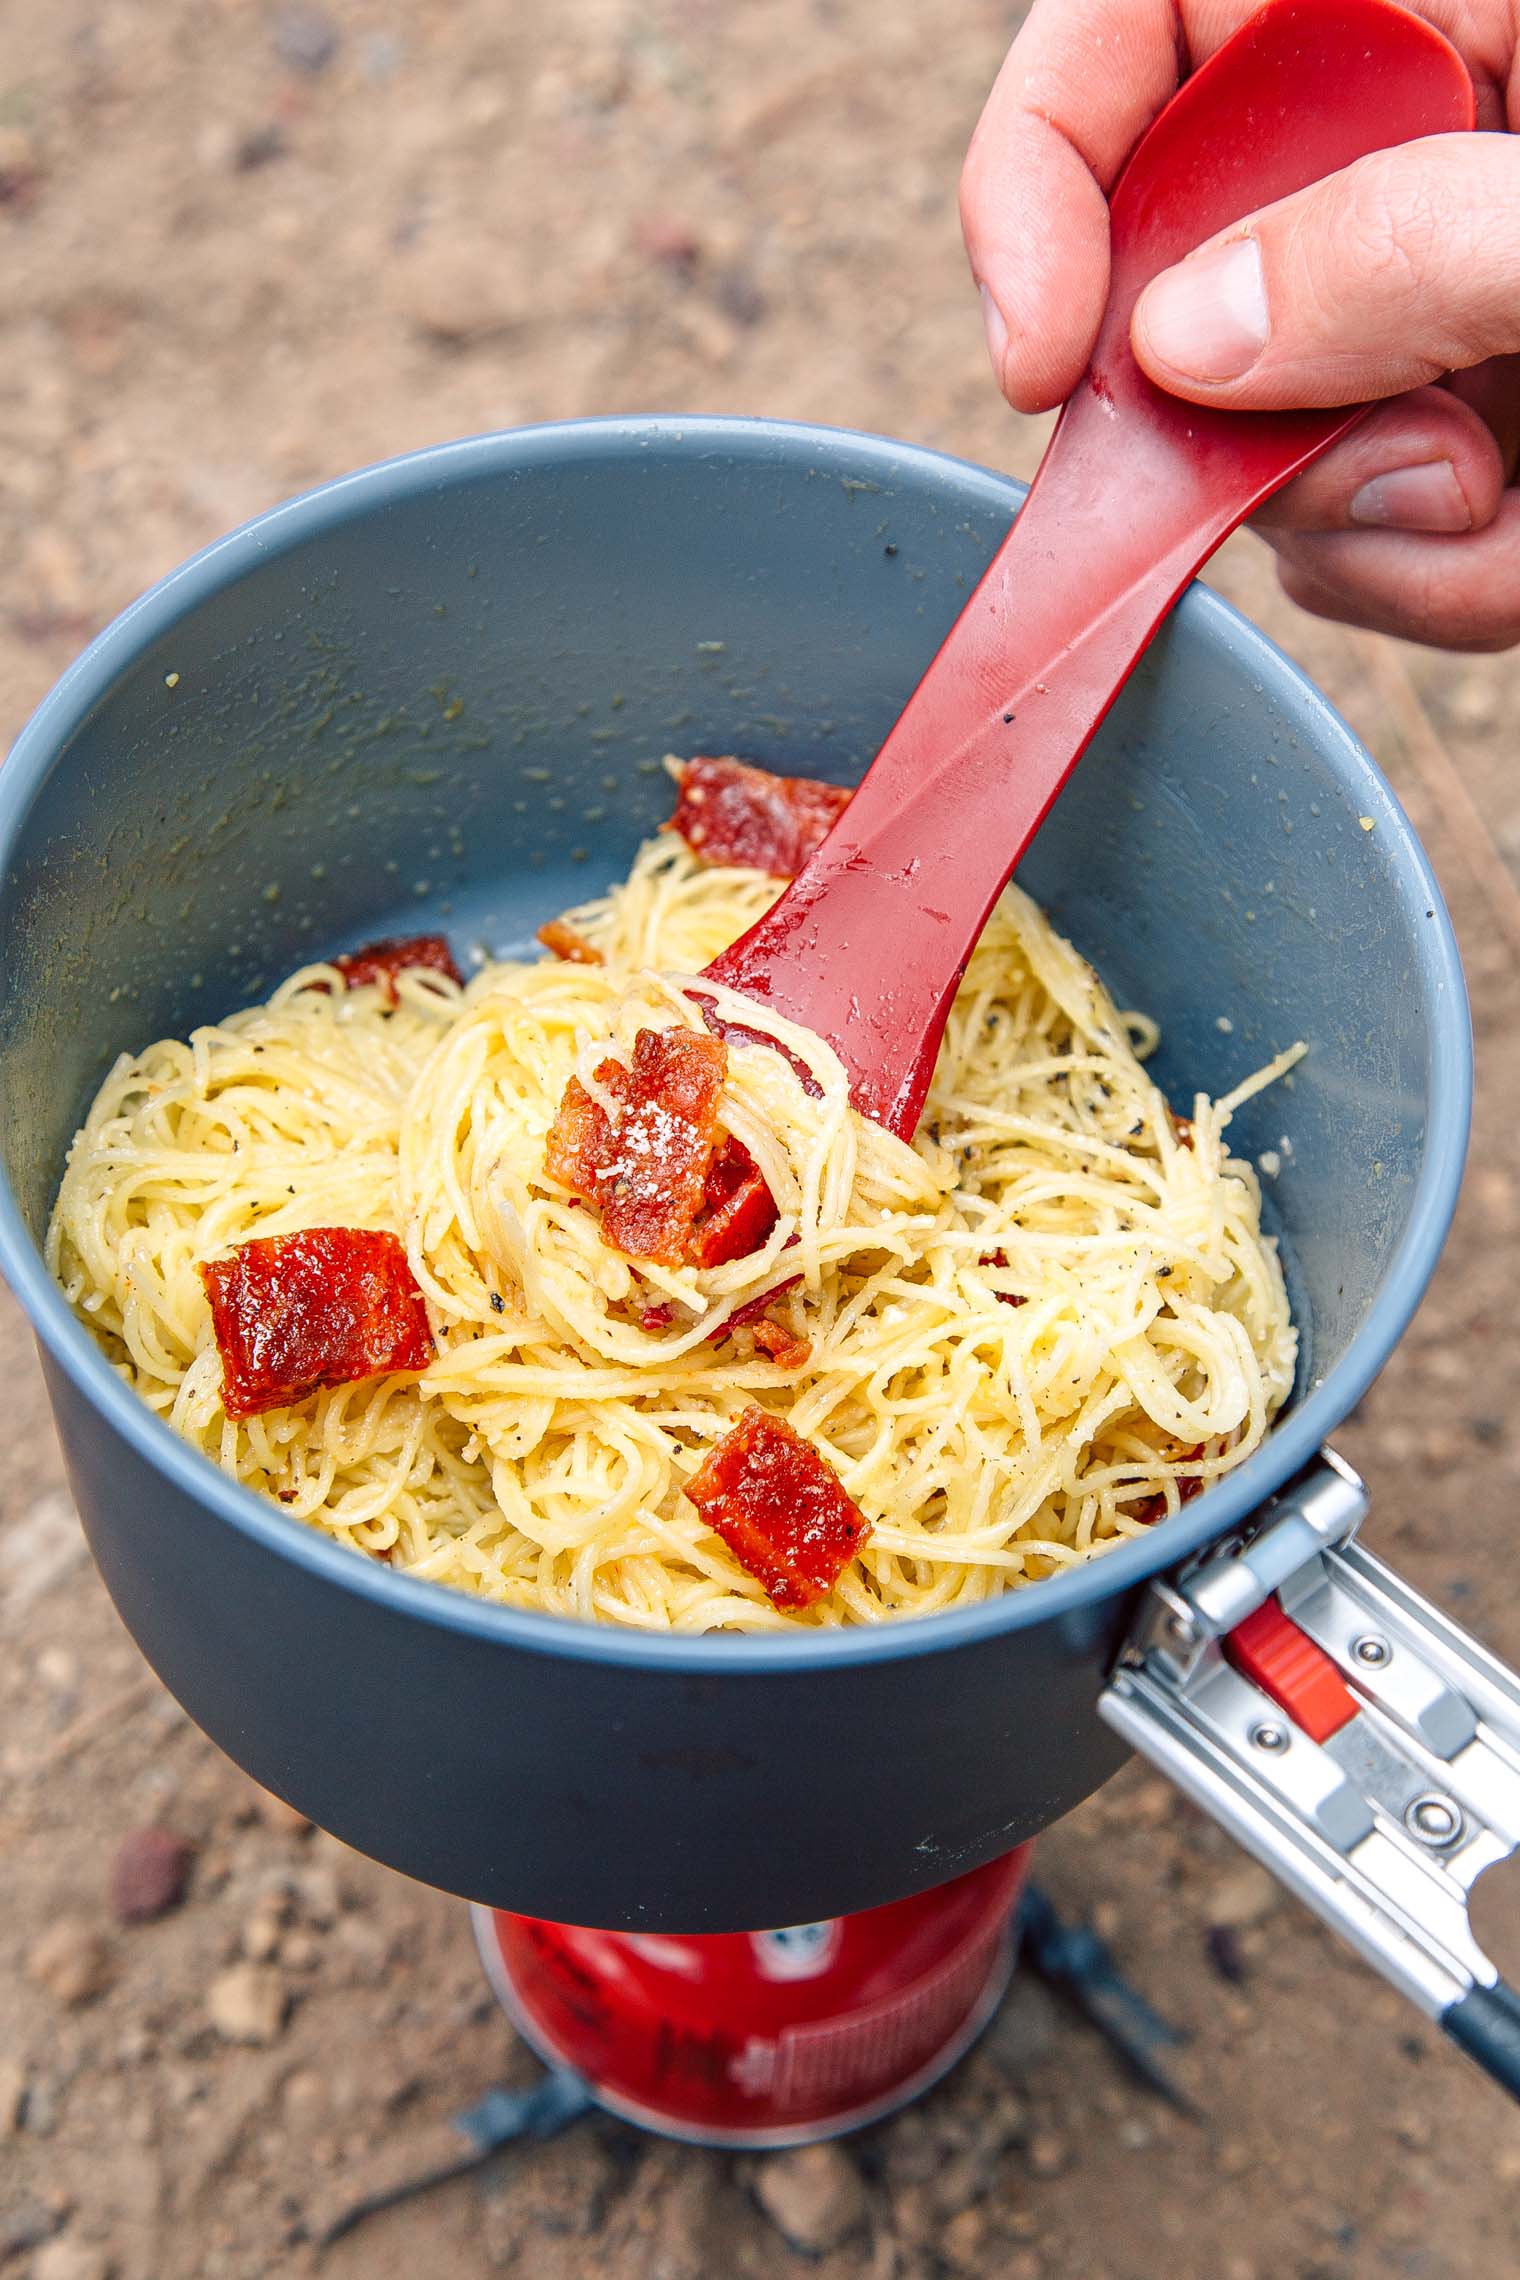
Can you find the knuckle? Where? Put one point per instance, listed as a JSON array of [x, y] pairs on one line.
[[1413, 225]]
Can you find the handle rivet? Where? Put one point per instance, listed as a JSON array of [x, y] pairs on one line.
[[1268, 1737], [1372, 1651], [1181, 1629], [1433, 1819]]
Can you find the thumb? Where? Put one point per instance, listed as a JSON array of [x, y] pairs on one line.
[[1380, 278]]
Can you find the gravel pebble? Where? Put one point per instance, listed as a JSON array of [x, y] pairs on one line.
[[71, 2260], [305, 39], [1025, 2027], [965, 2239], [149, 1874], [812, 2196], [12, 2093], [73, 1961], [27, 2223], [1048, 2155], [1246, 1895], [248, 2003]]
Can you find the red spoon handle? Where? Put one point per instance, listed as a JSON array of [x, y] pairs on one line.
[[869, 942]]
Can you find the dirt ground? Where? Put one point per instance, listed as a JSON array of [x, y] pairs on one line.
[[245, 247]]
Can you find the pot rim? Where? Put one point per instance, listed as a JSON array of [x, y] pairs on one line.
[[1076, 1592]]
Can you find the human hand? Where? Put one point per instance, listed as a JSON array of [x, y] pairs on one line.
[[1375, 283]]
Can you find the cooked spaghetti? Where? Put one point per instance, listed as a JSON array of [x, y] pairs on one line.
[[1015, 1343]]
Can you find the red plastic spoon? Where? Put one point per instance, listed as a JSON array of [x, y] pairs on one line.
[[1137, 489]]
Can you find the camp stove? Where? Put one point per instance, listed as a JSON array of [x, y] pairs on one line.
[[767, 2038]]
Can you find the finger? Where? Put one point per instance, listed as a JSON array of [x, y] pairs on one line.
[[1454, 593], [1376, 280], [1080, 84], [1424, 462]]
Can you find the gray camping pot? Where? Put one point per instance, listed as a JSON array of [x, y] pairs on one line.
[[436, 694]]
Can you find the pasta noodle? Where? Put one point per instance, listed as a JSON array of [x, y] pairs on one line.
[[1031, 1333]]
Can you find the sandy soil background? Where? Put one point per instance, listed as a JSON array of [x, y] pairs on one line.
[[244, 247]]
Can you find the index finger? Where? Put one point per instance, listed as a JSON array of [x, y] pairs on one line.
[[1080, 85]]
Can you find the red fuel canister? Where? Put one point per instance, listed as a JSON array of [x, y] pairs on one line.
[[763, 2038]]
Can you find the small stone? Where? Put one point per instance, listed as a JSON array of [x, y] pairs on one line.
[[1022, 2265], [276, 1814], [261, 1933], [301, 1951], [149, 1874], [665, 239], [1152, 1802], [1048, 2154], [72, 1961], [71, 2260], [1108, 1920], [305, 2096], [1025, 2028], [12, 2095], [44, 2105], [455, 294], [812, 2196], [965, 2238], [1225, 1952], [1245, 1896], [248, 2003], [305, 39], [27, 2224]]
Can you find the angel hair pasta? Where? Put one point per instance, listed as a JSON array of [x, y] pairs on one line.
[[1005, 1348]]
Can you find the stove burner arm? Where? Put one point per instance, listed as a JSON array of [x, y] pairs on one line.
[[1346, 1732]]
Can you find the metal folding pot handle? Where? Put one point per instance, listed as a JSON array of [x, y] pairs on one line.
[[1361, 1745]]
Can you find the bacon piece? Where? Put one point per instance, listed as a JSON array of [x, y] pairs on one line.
[[294, 1313], [668, 1188], [728, 812], [382, 961], [779, 1508], [738, 1209], [1182, 1127], [580, 1141], [565, 943], [652, 1183], [657, 1317], [781, 1342]]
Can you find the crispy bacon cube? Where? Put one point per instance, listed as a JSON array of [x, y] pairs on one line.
[[738, 1209], [728, 812], [566, 943], [294, 1313], [779, 1508], [647, 1168], [781, 1342], [652, 1183], [580, 1141], [669, 1188], [382, 961]]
